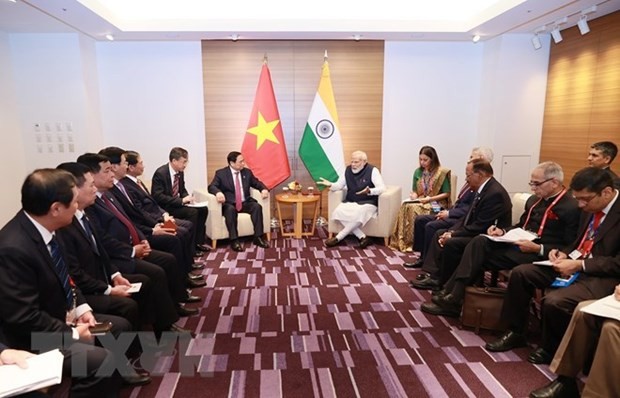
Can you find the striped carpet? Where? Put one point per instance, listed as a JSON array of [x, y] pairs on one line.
[[300, 320]]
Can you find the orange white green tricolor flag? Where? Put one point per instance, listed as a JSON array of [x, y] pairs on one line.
[[321, 146], [263, 145]]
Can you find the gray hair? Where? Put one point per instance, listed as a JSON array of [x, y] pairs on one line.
[[552, 170], [360, 154], [484, 152]]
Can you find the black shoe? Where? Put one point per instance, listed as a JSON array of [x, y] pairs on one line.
[[198, 253], [135, 379], [236, 246], [191, 299], [365, 242], [425, 282], [196, 283], [446, 306], [437, 295], [540, 357], [177, 329], [332, 242], [416, 264], [565, 387], [184, 311], [198, 266], [195, 277], [203, 248], [506, 342], [260, 242]]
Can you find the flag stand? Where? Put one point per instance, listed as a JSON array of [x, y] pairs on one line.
[[320, 220]]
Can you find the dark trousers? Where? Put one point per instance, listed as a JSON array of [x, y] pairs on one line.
[[198, 217], [85, 382], [249, 206], [174, 245], [160, 304], [441, 262], [425, 228]]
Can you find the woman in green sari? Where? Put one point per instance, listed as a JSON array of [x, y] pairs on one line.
[[430, 191]]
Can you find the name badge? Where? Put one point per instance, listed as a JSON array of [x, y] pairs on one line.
[[575, 254]]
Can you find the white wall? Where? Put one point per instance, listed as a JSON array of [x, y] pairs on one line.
[[152, 100], [148, 96]]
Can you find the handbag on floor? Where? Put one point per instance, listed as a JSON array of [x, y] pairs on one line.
[[482, 307]]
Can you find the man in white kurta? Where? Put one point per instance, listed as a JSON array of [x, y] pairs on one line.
[[363, 184]]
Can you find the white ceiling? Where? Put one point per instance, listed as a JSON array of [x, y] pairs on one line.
[[291, 19]]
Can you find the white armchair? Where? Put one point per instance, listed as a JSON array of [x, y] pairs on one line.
[[216, 223], [380, 226]]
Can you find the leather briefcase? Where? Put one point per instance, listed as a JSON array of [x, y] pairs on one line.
[[482, 307]]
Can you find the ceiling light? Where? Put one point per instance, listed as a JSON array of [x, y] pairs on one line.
[[536, 42], [557, 36], [583, 25], [234, 37], [13, 1], [357, 37], [475, 38], [109, 36]]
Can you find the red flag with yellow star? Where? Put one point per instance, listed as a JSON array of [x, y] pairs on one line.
[[263, 145]]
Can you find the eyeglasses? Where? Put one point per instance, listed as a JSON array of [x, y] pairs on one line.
[[586, 200], [469, 175], [536, 184]]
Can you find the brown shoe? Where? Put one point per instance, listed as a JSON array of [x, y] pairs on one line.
[[331, 242]]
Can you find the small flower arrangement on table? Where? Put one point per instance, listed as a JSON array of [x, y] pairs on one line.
[[295, 186]]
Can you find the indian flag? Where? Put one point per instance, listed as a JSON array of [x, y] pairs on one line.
[[321, 145]]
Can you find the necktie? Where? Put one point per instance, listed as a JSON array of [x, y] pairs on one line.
[[585, 247], [238, 201], [133, 233], [124, 191], [141, 185], [175, 185], [61, 271], [89, 233], [471, 209]]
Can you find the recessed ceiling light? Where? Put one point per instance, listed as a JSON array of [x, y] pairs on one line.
[[109, 36]]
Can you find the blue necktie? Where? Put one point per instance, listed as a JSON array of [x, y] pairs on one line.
[[89, 233], [61, 270]]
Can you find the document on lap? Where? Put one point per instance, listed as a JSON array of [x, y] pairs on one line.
[[43, 370], [197, 204], [513, 235], [546, 263], [607, 307], [411, 201]]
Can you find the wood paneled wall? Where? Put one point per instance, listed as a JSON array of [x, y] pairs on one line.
[[583, 94], [230, 74]]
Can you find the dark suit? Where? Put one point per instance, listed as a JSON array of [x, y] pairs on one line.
[[118, 243], [161, 189], [490, 205], [223, 182], [32, 299], [559, 231], [181, 249], [602, 274], [427, 225]]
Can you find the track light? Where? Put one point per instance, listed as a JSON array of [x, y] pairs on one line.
[[557, 36], [357, 37], [109, 36], [475, 38], [583, 25], [234, 37], [536, 42]]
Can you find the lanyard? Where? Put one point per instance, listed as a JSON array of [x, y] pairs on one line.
[[585, 246], [547, 211]]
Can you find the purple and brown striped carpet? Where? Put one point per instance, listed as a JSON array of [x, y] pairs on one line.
[[300, 320]]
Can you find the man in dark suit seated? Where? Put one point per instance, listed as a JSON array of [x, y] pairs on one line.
[[491, 206], [168, 189], [601, 155], [36, 294], [159, 236], [594, 257], [551, 213], [125, 243], [231, 187], [427, 225]]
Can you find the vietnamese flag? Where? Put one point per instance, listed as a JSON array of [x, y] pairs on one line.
[[263, 145]]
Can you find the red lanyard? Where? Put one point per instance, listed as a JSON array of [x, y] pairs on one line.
[[585, 246], [547, 211]]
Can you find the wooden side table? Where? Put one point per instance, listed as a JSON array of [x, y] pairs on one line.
[[297, 200]]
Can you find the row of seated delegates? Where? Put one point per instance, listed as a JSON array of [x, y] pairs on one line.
[[169, 191], [590, 344], [231, 187], [36, 293], [425, 226], [594, 255], [126, 244], [364, 184], [430, 191], [178, 242], [551, 212], [491, 206]]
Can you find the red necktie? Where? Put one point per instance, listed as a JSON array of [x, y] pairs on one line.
[[585, 247], [133, 233], [141, 185], [175, 185], [238, 201]]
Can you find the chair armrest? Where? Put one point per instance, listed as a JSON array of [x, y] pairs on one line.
[[390, 202], [202, 195]]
